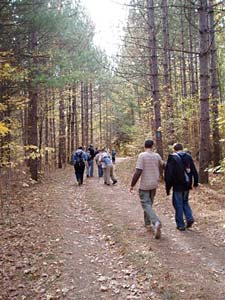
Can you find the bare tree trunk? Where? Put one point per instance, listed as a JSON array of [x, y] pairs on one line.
[[167, 81], [193, 90], [100, 115], [62, 132], [82, 114], [153, 65], [46, 128], [54, 129], [86, 115], [69, 127], [33, 115], [184, 76], [204, 92], [91, 113], [73, 118], [214, 87]]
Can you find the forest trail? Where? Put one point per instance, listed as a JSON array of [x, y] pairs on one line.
[[89, 242]]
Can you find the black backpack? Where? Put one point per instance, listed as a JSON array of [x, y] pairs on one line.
[[180, 170], [79, 160]]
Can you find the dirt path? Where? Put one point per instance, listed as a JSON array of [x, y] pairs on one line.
[[89, 242]]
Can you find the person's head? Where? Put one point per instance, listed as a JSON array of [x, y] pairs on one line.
[[178, 147], [81, 148], [149, 144], [91, 146]]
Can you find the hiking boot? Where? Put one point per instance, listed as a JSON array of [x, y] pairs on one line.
[[157, 230], [189, 223], [181, 228]]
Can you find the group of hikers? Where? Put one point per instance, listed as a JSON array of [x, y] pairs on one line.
[[86, 159], [180, 174]]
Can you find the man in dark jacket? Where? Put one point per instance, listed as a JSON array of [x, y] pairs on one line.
[[179, 174]]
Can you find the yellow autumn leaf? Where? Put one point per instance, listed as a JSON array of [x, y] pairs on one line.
[[3, 129]]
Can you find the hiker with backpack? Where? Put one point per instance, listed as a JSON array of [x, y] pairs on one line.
[[79, 159], [181, 175], [107, 166]]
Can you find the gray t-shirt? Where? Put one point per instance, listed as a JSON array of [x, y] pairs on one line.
[[149, 163]]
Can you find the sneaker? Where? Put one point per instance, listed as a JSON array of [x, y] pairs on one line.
[[157, 230], [181, 228], [115, 181], [189, 223]]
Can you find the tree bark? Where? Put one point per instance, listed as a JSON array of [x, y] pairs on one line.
[[214, 87], [167, 81], [62, 132], [33, 113], [153, 66], [204, 151]]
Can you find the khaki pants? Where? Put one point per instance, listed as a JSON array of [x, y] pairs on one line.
[[108, 173]]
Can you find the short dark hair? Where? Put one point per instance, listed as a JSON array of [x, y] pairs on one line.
[[178, 147], [149, 144], [80, 147]]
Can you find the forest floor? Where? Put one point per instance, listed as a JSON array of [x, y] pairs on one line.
[[88, 242]]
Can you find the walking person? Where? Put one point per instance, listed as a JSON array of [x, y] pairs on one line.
[[107, 167], [90, 161], [114, 156], [99, 164], [179, 174], [79, 158], [148, 168]]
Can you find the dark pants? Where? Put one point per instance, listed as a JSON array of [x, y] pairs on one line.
[[79, 172]]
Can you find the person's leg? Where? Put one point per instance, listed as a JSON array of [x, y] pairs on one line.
[[105, 175], [107, 170], [82, 175], [146, 219], [87, 169], [178, 206], [152, 196], [91, 168], [100, 171], [146, 204], [112, 175], [76, 172], [187, 209]]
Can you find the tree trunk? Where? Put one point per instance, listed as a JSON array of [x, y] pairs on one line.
[[91, 113], [69, 150], [82, 114], [167, 81], [153, 66], [214, 87], [62, 132], [33, 114], [204, 151], [86, 115], [100, 115]]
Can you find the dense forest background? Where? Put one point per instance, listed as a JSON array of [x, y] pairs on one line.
[[59, 91]]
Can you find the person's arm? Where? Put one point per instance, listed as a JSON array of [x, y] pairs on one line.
[[135, 178], [194, 172], [168, 177]]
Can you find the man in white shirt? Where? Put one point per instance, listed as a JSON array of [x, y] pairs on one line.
[[148, 168]]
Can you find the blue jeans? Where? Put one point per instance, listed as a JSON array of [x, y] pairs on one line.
[[182, 207], [90, 168], [147, 198], [100, 171]]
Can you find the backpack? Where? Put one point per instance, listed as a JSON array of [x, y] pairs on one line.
[[181, 171], [79, 159]]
